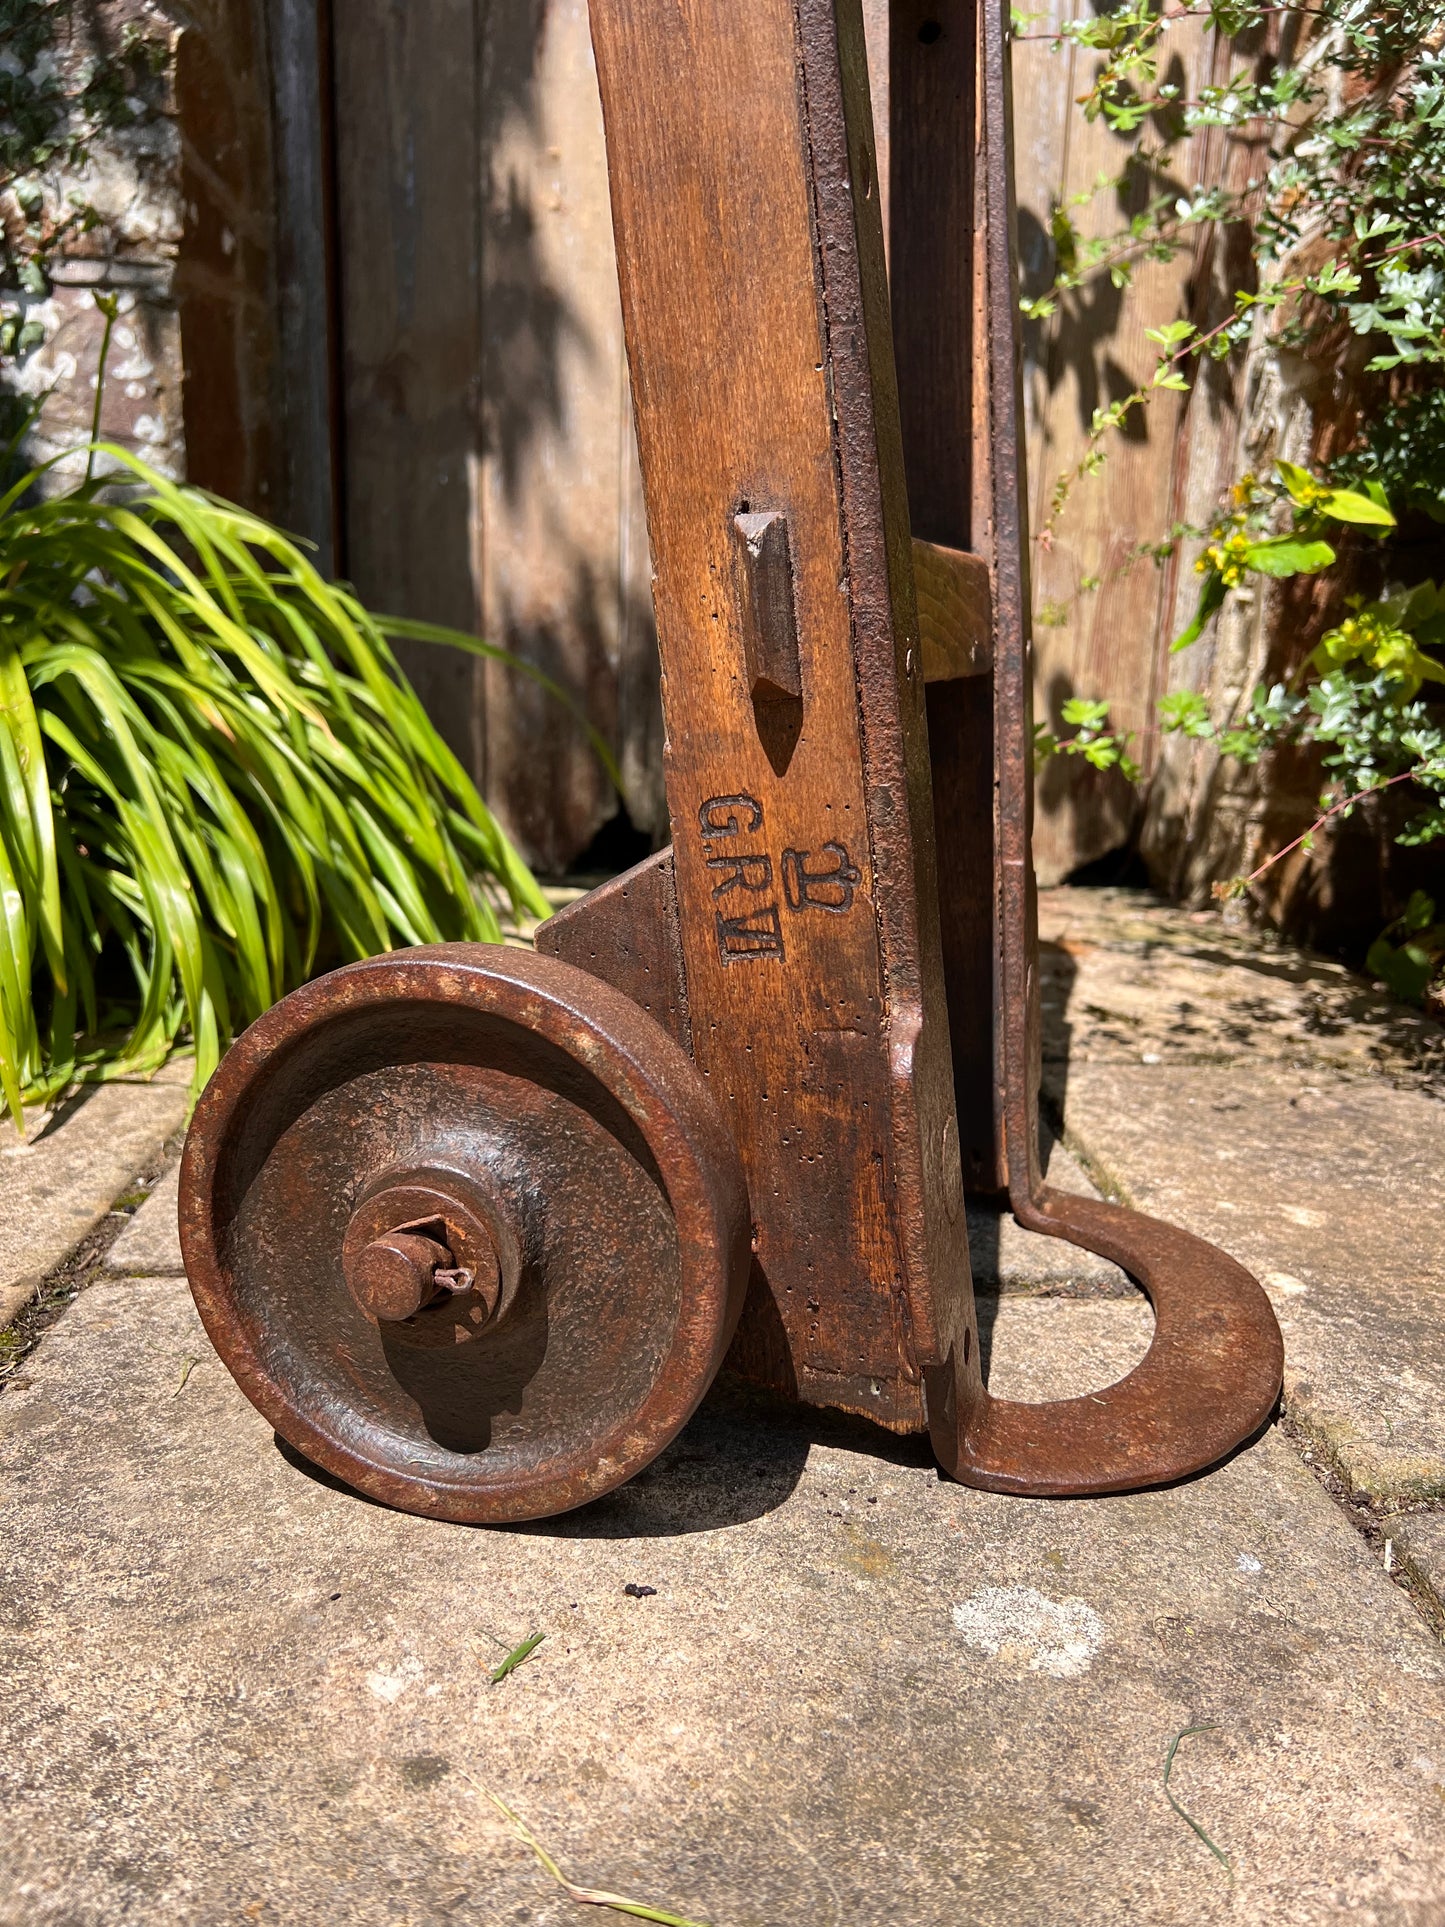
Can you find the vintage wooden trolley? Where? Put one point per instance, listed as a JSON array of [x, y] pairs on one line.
[[476, 1228]]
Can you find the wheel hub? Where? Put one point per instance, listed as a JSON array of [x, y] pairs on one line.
[[436, 1255]]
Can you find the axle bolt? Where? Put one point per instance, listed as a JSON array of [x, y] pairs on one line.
[[434, 1254], [395, 1276]]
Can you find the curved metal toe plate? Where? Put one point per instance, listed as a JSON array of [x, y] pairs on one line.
[[1208, 1381]]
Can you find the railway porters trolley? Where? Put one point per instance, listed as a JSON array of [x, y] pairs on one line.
[[474, 1227]]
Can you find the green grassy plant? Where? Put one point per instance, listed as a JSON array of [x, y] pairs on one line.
[[214, 780]]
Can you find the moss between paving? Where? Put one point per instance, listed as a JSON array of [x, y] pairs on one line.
[[58, 1182]]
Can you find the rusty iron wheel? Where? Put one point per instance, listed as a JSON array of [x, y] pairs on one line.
[[468, 1228]]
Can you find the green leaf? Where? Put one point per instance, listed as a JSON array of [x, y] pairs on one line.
[[1186, 712], [1405, 972], [1419, 912], [1301, 484], [517, 1656], [1080, 713], [1103, 754], [1243, 744], [212, 774], [1287, 555], [1211, 599], [1344, 505]]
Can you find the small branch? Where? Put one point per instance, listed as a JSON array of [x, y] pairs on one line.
[[1171, 14], [109, 307], [1345, 803], [1271, 298], [1403, 247]]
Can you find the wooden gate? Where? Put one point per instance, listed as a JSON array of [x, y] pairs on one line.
[[459, 437]]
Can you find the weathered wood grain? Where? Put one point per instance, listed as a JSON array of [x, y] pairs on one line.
[[308, 499], [762, 382], [408, 212], [931, 72], [626, 932], [1102, 641], [564, 572], [1017, 1029], [930, 152], [955, 613], [486, 461]]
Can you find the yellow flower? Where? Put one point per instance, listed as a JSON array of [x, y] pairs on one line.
[[1229, 558], [1382, 646]]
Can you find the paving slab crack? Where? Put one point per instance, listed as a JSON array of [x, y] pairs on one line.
[[83, 1266], [1388, 1535]]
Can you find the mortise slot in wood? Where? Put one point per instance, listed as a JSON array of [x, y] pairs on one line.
[[955, 612], [770, 632]]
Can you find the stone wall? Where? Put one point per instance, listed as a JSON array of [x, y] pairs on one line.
[[182, 199]]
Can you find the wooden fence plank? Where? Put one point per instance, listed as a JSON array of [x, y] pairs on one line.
[[1043, 118], [488, 468], [300, 48], [1104, 641], [566, 581], [407, 217]]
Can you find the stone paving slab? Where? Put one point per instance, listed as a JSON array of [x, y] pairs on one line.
[[150, 1245], [59, 1182], [859, 1697], [1420, 1544], [1127, 978], [1332, 1195], [1006, 1258]]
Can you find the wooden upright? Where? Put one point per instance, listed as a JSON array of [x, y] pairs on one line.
[[755, 300], [843, 934]]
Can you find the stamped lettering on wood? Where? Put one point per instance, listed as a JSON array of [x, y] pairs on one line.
[[758, 934], [753, 873], [723, 816], [831, 886], [826, 881]]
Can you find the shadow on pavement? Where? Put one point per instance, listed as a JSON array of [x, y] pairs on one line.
[[741, 1456]]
